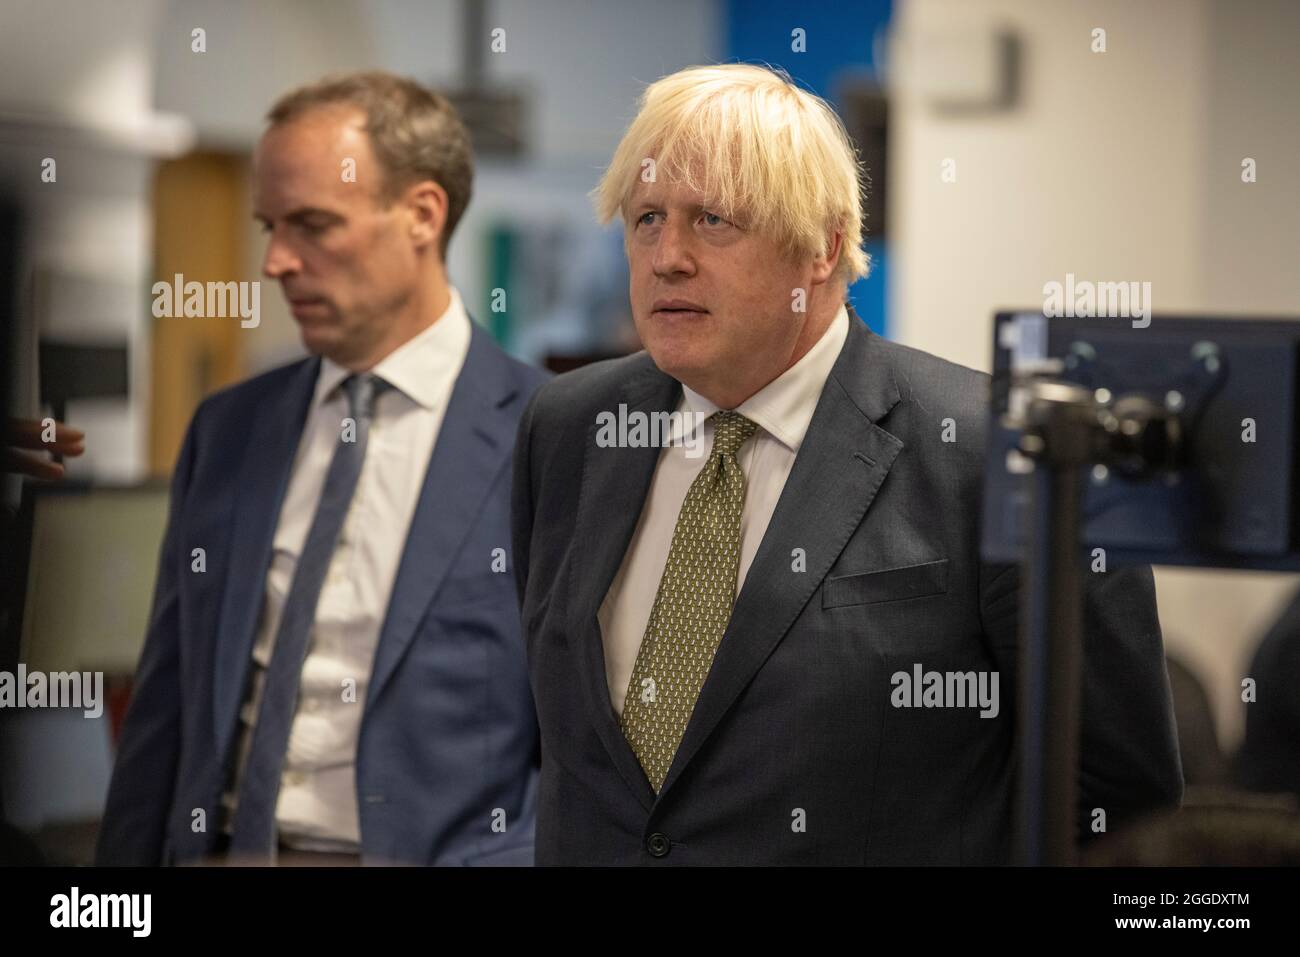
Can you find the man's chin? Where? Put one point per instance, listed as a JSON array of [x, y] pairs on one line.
[[320, 342], [684, 365]]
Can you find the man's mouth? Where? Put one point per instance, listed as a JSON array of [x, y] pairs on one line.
[[677, 309], [306, 306]]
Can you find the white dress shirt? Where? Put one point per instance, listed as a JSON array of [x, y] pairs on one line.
[[317, 805], [782, 409]]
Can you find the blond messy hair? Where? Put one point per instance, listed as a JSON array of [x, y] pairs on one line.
[[760, 148]]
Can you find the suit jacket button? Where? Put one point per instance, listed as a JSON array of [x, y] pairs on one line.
[[658, 845]]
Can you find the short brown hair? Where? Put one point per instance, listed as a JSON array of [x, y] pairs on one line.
[[416, 133]]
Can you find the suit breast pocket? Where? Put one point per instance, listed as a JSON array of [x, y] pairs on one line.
[[887, 585], [910, 610]]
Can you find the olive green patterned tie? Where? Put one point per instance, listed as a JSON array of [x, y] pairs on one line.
[[692, 606]]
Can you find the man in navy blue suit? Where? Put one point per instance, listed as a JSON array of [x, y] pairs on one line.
[[333, 671]]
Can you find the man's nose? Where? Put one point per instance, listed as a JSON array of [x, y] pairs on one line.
[[279, 259], [673, 254]]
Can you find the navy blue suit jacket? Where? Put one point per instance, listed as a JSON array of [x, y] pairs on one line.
[[448, 744]]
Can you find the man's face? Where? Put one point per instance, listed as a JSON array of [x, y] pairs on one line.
[[346, 264], [713, 301]]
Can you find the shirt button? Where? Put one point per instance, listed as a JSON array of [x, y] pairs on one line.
[[293, 778], [311, 704], [658, 845]]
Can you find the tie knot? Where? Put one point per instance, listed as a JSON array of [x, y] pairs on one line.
[[730, 430], [361, 389]]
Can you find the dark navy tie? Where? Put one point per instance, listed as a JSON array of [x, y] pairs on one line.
[[259, 789]]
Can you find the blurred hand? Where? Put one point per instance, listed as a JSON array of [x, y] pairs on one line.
[[22, 435]]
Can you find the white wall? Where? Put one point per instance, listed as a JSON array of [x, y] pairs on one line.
[[1123, 165], [75, 87]]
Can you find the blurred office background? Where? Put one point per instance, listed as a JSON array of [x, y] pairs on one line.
[[1003, 151]]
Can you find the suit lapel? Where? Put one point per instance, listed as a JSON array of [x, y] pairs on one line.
[[615, 483], [474, 441], [841, 465], [263, 478]]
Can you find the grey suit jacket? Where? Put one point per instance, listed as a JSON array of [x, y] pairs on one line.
[[796, 752]]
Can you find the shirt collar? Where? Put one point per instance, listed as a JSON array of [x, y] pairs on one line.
[[419, 368], [784, 407]]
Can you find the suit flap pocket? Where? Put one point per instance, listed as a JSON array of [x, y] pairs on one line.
[[889, 584]]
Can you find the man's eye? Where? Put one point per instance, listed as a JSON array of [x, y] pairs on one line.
[[713, 219], [645, 219]]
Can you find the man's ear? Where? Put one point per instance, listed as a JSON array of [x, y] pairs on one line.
[[824, 265], [426, 203]]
